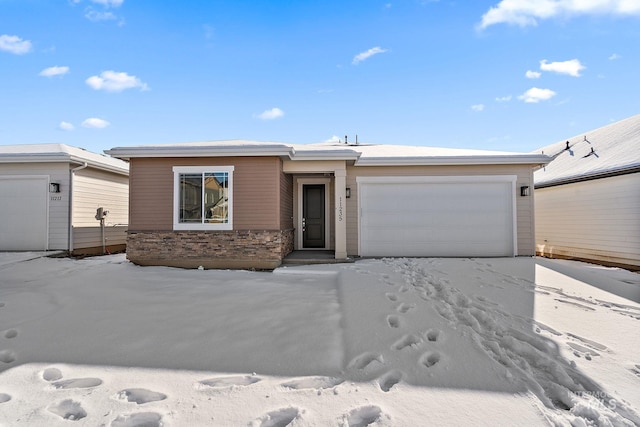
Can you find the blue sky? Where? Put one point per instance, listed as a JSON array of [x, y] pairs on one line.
[[510, 75]]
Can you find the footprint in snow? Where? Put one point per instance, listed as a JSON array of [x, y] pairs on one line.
[[68, 409], [140, 395], [77, 383], [7, 356], [2, 304], [406, 341], [280, 418], [10, 333], [432, 335], [391, 297], [51, 374], [393, 321], [4, 397], [317, 383], [364, 360], [388, 380], [404, 308], [222, 382], [430, 359], [362, 417], [141, 419], [635, 370]]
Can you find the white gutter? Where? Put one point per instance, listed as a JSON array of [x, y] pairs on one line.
[[57, 158], [72, 173], [200, 151], [454, 160]]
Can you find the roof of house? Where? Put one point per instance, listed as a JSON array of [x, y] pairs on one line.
[[359, 154], [53, 153], [610, 150]]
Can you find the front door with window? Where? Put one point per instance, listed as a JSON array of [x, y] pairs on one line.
[[313, 216]]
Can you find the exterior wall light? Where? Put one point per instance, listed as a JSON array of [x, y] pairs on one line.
[[348, 192], [54, 187], [524, 191]]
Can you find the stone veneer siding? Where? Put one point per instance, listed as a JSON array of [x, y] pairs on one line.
[[253, 249]]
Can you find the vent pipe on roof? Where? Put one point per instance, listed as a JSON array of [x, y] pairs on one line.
[[567, 147]]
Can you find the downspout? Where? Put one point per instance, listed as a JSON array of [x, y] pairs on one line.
[[72, 173]]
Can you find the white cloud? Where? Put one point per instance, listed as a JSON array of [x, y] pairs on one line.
[[504, 98], [113, 81], [334, 140], [95, 123], [535, 95], [54, 71], [95, 16], [66, 126], [109, 3], [367, 54], [614, 57], [571, 67], [478, 107], [532, 74], [274, 113], [529, 12], [14, 44]]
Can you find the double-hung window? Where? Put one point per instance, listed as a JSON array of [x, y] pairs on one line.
[[203, 197]]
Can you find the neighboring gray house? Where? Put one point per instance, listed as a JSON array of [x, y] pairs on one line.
[[588, 197], [50, 197]]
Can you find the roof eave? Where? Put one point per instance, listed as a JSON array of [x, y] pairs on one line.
[[126, 153], [61, 158], [455, 160], [589, 177], [348, 155]]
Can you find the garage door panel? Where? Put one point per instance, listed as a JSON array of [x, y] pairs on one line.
[[23, 213], [437, 218]]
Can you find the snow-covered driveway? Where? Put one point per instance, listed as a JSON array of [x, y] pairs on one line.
[[394, 342]]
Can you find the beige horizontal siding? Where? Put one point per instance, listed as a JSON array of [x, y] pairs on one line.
[[598, 220], [256, 187], [286, 200], [91, 237], [93, 189], [524, 205]]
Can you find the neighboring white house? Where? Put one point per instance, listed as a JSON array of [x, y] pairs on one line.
[[587, 199], [50, 197]]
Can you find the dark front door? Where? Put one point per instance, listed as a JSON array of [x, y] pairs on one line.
[[313, 216]]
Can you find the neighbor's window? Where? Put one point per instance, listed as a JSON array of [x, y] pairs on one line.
[[202, 197]]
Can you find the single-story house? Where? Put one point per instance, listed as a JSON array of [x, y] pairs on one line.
[[588, 197], [51, 194], [246, 204]]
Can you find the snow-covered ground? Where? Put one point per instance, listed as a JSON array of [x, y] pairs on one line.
[[390, 342]]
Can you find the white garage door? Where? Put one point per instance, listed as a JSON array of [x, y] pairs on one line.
[[23, 213], [437, 216]]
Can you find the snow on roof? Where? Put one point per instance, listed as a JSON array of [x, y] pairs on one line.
[[361, 154], [611, 149], [32, 153]]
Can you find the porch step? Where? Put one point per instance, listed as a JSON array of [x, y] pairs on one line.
[[313, 257]]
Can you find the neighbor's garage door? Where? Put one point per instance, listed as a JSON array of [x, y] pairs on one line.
[[437, 216], [23, 213]]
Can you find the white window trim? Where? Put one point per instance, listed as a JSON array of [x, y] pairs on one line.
[[177, 170]]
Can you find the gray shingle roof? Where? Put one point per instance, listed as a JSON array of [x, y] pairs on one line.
[[609, 150]]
